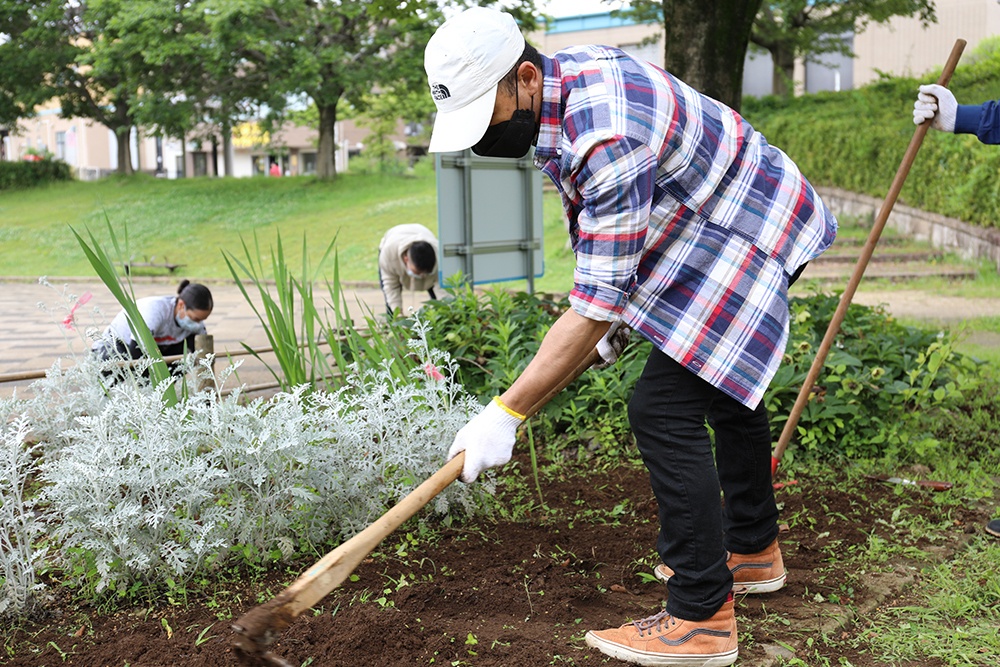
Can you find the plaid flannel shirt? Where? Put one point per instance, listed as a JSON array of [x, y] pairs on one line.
[[685, 223]]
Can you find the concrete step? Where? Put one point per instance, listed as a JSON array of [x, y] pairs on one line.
[[884, 241], [850, 256], [896, 271]]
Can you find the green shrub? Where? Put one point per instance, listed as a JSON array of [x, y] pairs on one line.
[[493, 336], [971, 427], [856, 140], [880, 379], [29, 174], [880, 382]]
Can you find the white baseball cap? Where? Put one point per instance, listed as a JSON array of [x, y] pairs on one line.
[[465, 60]]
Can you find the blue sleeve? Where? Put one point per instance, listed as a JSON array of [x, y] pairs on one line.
[[982, 120]]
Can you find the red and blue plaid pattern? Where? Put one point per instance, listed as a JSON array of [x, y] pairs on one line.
[[684, 221]]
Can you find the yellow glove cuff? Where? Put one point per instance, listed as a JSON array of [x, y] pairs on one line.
[[512, 413]]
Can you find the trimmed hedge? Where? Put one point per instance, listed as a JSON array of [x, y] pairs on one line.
[[856, 139], [25, 174]]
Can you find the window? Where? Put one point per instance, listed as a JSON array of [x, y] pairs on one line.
[[308, 163], [60, 145]]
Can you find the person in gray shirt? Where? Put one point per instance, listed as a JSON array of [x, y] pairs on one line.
[[173, 320]]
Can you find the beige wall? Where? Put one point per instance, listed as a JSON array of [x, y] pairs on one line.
[[904, 48], [618, 36], [91, 140]]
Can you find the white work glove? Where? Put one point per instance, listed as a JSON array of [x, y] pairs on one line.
[[612, 344], [931, 98], [487, 440]]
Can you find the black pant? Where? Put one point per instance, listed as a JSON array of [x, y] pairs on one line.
[[120, 351], [668, 412]]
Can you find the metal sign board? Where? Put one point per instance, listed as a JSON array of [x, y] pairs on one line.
[[489, 218]]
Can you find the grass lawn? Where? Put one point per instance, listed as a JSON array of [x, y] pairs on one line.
[[194, 221]]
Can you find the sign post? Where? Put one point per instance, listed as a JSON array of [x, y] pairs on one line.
[[489, 218]]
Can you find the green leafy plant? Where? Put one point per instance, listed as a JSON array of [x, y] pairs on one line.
[[878, 381], [879, 378], [104, 266], [293, 335], [493, 335], [316, 341]]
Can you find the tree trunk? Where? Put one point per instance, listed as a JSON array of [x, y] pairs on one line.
[[215, 156], [706, 44], [227, 148], [326, 164], [783, 75], [124, 137]]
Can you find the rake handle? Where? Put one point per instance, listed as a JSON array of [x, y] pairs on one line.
[[859, 269]]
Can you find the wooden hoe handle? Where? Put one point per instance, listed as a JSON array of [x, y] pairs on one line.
[[259, 627], [859, 268]]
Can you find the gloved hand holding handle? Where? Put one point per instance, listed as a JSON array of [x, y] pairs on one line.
[[487, 440], [612, 344], [937, 104]]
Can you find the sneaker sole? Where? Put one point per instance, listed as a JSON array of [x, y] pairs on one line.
[[648, 659], [745, 588], [755, 587]]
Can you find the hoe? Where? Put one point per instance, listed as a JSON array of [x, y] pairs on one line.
[[258, 628], [859, 269]]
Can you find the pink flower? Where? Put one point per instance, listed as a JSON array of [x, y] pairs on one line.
[[432, 371], [84, 298]]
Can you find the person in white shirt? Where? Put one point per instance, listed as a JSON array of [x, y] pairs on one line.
[[173, 320], [407, 259]]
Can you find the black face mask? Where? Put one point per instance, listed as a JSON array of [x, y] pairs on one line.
[[511, 138]]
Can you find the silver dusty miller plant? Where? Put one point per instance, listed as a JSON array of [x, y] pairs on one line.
[[131, 495], [20, 530], [139, 490]]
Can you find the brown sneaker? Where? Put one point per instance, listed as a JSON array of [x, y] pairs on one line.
[[762, 572], [663, 640]]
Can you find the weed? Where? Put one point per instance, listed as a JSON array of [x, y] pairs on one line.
[[166, 627], [62, 653], [202, 638]]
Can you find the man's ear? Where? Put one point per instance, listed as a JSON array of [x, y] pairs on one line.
[[530, 78]]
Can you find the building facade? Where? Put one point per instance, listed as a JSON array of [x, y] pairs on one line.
[[92, 149]]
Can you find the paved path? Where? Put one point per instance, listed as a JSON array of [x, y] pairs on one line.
[[34, 337]]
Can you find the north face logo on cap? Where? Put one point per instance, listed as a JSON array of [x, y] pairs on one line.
[[440, 92]]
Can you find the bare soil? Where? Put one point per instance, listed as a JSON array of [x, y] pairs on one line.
[[523, 592]]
